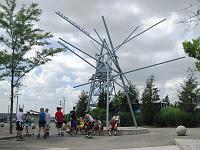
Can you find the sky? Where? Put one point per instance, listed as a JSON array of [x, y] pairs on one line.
[[46, 85]]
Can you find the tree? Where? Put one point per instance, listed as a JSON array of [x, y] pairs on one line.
[[120, 100], [192, 48], [102, 100], [134, 95], [166, 100], [20, 37], [82, 103], [189, 96], [149, 97]]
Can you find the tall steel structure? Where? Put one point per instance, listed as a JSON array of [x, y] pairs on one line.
[[108, 72]]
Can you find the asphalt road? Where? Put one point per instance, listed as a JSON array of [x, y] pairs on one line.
[[156, 137]]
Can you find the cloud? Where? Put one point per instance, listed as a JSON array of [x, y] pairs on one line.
[[45, 85]]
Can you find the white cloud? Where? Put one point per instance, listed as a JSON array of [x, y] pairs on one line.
[[45, 85]]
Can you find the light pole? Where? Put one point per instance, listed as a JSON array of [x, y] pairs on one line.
[[17, 94], [63, 98]]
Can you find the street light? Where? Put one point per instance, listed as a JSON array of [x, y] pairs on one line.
[[63, 98], [17, 94]]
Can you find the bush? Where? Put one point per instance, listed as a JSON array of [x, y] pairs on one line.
[[171, 117], [127, 121], [100, 114], [125, 117]]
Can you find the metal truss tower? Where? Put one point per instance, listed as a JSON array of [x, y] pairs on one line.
[[108, 72]]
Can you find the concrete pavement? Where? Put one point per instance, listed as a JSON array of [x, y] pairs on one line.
[[4, 132], [156, 139]]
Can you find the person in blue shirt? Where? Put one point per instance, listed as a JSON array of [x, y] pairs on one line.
[[42, 123]]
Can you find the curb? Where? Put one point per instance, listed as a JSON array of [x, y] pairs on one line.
[[7, 137]]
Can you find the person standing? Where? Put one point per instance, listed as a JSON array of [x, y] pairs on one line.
[[27, 124], [19, 124], [47, 119], [73, 118], [59, 117], [42, 122]]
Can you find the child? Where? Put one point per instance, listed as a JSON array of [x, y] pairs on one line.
[[113, 124], [27, 124], [81, 125], [98, 127]]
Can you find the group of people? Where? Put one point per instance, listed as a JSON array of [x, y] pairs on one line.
[[85, 125], [25, 121], [90, 125]]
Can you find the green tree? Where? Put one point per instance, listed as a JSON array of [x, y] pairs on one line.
[[149, 97], [20, 37], [189, 96], [133, 93], [102, 100], [134, 96], [192, 48], [82, 104], [166, 100]]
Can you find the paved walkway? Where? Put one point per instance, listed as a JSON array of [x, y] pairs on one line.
[[4, 132], [156, 139], [154, 148]]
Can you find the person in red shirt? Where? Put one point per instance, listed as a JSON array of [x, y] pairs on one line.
[[59, 121]]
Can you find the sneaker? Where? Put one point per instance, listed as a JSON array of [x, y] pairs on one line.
[[109, 133], [115, 133], [62, 134], [86, 136]]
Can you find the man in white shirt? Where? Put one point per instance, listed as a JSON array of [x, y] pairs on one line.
[[19, 124]]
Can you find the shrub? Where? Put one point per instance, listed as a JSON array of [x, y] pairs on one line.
[[171, 117]]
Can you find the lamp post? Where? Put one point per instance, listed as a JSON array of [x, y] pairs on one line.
[[17, 95], [63, 98]]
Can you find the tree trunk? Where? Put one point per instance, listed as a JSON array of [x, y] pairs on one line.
[[11, 109], [11, 94]]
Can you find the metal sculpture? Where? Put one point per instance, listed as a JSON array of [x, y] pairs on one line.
[[107, 68]]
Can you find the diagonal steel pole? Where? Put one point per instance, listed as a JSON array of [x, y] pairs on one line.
[[154, 65], [140, 33], [77, 54], [126, 38], [77, 48], [62, 16], [121, 76], [81, 84]]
